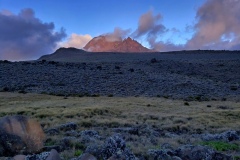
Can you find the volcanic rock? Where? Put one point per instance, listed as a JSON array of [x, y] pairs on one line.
[[105, 44], [54, 155], [86, 156], [19, 157], [102, 44], [20, 134]]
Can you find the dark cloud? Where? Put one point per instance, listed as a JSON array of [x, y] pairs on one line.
[[25, 37]]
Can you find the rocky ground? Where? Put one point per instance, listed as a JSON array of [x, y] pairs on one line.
[[117, 145], [202, 79]]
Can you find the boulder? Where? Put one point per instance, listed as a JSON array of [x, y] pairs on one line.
[[54, 155], [20, 134], [117, 157], [19, 157]]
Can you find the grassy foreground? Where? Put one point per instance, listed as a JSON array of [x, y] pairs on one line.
[[211, 116], [104, 113]]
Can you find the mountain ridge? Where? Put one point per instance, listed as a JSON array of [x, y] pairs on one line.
[[114, 44]]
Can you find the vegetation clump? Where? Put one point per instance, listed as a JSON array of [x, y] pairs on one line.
[[222, 146]]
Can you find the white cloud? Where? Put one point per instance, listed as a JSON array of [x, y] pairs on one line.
[[76, 41]]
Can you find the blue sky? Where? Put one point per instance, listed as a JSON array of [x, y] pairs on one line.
[[96, 17], [182, 22]]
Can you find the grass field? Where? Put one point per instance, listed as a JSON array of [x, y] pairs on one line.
[[210, 116], [105, 113]]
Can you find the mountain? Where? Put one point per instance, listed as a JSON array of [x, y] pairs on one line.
[[102, 44], [63, 53], [109, 44]]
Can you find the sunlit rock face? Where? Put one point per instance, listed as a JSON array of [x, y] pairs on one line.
[[113, 44]]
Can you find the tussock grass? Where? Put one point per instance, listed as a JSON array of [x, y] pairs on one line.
[[113, 112]]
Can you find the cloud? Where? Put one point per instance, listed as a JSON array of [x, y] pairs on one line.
[[6, 12], [163, 46], [25, 37], [217, 26], [76, 40], [117, 35], [149, 25]]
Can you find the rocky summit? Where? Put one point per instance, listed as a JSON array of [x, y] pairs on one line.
[[112, 44]]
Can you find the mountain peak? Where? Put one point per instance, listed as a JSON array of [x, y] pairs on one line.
[[129, 39], [113, 44]]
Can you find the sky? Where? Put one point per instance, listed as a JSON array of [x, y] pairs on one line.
[[30, 29]]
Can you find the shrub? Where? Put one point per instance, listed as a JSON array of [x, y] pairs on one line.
[[131, 70], [117, 67], [22, 91], [86, 124], [95, 95], [5, 89], [153, 60]]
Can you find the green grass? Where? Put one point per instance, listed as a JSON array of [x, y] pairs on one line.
[[78, 152], [222, 146]]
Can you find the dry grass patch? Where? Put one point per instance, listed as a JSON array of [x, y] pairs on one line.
[[123, 111]]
